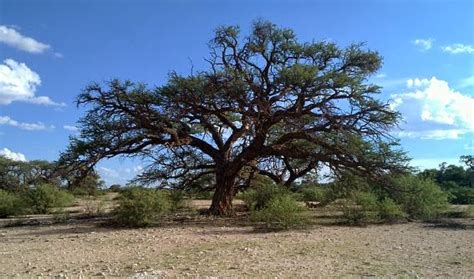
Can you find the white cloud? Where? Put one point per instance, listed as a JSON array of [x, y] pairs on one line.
[[108, 173], [58, 55], [15, 156], [13, 38], [424, 44], [71, 128], [381, 75], [433, 110], [19, 83], [6, 120], [458, 48], [437, 134]]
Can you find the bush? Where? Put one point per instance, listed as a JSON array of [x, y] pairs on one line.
[[281, 212], [10, 204], [390, 212], [177, 199], [461, 195], [45, 197], [420, 198], [360, 207], [138, 207], [314, 194], [258, 198]]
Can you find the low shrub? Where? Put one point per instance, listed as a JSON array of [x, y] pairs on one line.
[[281, 212], [314, 194], [257, 198], [360, 207], [390, 212], [138, 207], [44, 198], [177, 199], [420, 198], [10, 204]]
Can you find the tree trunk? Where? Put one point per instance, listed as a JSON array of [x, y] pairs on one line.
[[222, 199]]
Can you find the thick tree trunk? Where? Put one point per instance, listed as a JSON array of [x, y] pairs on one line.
[[222, 199]]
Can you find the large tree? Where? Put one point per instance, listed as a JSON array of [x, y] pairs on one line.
[[267, 105]]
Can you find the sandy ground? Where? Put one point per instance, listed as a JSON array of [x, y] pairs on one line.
[[206, 247]]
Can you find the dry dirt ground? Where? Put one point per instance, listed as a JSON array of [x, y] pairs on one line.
[[204, 247]]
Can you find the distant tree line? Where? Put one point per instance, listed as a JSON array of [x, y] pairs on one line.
[[457, 181], [17, 176]]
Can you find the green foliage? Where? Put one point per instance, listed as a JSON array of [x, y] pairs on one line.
[[314, 194], [459, 195], [390, 212], [257, 198], [360, 207], [281, 212], [10, 204], [138, 207], [177, 199], [43, 198], [346, 185], [420, 198], [457, 181]]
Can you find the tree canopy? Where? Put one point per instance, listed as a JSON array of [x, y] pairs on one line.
[[268, 105]]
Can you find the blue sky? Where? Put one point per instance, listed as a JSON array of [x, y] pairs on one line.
[[50, 50]]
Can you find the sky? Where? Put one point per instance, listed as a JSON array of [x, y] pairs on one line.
[[50, 50]]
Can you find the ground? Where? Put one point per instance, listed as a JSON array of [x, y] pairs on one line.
[[199, 246]]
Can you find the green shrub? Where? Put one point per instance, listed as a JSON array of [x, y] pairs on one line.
[[314, 194], [420, 198], [257, 198], [360, 207], [45, 197], [138, 207], [390, 212], [177, 199], [10, 204], [281, 212], [461, 195]]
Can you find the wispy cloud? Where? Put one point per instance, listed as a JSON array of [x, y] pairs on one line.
[[38, 126], [458, 48], [15, 156], [13, 38], [19, 83], [423, 44], [71, 128]]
